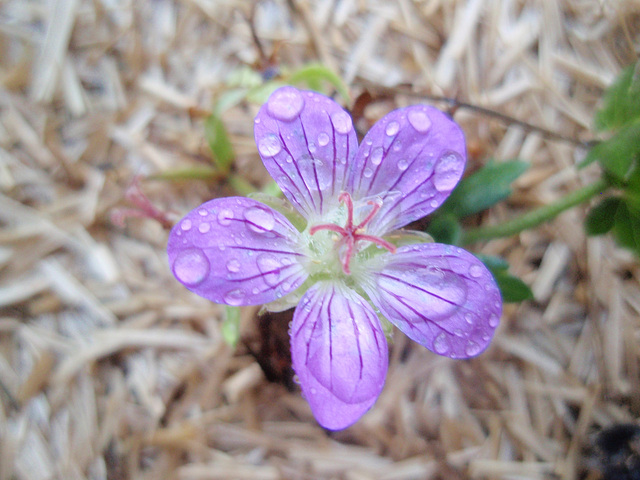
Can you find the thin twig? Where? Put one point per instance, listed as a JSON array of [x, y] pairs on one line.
[[455, 103]]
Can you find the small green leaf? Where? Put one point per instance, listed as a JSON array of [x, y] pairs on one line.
[[219, 142], [191, 173], [602, 217], [445, 229], [483, 189], [314, 74], [617, 154], [272, 188], [626, 229], [231, 325], [621, 100], [512, 288]]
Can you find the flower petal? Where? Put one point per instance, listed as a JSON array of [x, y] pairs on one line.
[[339, 354], [306, 141], [440, 296], [412, 158], [236, 251]]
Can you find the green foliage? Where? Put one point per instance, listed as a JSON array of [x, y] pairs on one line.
[[601, 218], [512, 288], [445, 229], [483, 189], [313, 76], [231, 325], [219, 143], [621, 100], [618, 154]]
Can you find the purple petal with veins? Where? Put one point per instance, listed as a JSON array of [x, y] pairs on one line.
[[339, 353], [236, 251], [307, 143], [412, 158], [440, 296]]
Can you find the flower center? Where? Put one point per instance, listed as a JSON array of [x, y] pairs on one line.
[[351, 234]]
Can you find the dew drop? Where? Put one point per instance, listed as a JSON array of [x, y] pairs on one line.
[[233, 266], [285, 104], [392, 128], [323, 139], [202, 212], [260, 220], [441, 344], [341, 122], [433, 203], [419, 120], [269, 268], [367, 172], [403, 164], [312, 148], [186, 225], [313, 391], [225, 216], [472, 349], [376, 156], [468, 318], [475, 271], [493, 321], [191, 266], [234, 297], [269, 146], [204, 227], [448, 171]]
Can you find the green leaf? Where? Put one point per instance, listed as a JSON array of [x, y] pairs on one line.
[[626, 229], [190, 173], [601, 218], [617, 154], [445, 229], [314, 74], [621, 100], [219, 142], [512, 288], [231, 325], [483, 189]]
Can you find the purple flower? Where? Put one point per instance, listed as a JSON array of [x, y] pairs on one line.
[[344, 264]]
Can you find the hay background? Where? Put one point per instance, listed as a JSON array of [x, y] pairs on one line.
[[109, 369]]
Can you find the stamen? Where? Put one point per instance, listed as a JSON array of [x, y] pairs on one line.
[[350, 234]]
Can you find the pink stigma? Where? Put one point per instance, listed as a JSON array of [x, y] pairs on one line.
[[351, 234]]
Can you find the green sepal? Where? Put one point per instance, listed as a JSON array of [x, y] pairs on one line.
[[283, 206], [445, 229], [400, 238], [314, 74], [483, 189]]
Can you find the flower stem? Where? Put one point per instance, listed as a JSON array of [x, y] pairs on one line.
[[537, 216]]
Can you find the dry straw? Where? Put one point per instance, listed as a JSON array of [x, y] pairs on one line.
[[109, 369]]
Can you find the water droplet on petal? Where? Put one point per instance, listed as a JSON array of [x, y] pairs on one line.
[[475, 271], [367, 172], [472, 349], [392, 128], [493, 321], [376, 156], [448, 171], [186, 225], [341, 122], [433, 203], [234, 297], [441, 344], [468, 318], [260, 219], [202, 212], [419, 120], [225, 216], [270, 269], [204, 227], [403, 164], [269, 146], [191, 266], [285, 104], [323, 139], [312, 148], [233, 266]]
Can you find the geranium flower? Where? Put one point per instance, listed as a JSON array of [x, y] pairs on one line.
[[344, 263]]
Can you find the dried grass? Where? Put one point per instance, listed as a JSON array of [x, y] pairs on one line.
[[111, 370]]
